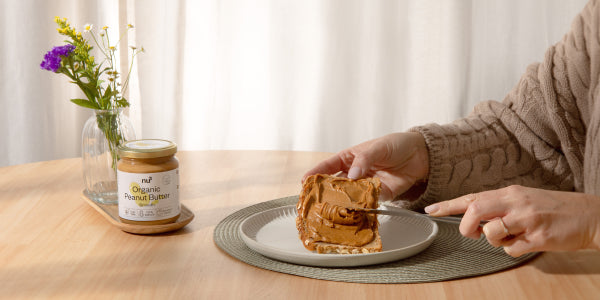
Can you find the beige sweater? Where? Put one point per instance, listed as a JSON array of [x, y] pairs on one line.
[[546, 132]]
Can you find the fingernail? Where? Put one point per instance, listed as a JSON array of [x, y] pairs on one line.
[[354, 173], [432, 208]]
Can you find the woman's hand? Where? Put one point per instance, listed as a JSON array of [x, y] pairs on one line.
[[526, 220], [398, 159]]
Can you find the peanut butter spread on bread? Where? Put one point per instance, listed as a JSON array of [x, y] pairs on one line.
[[322, 213]]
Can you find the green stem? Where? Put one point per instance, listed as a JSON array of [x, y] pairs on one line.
[[126, 84], [108, 122]]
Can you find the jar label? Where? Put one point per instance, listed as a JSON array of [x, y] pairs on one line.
[[148, 196]]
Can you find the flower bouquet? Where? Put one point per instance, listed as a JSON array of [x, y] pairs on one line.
[[103, 90]]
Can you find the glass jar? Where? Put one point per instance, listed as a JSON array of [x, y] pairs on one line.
[[148, 182], [102, 133]]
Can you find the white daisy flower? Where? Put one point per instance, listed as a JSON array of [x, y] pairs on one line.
[[87, 27]]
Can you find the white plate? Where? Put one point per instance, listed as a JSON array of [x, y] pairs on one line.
[[273, 233]]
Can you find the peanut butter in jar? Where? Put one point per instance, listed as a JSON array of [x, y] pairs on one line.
[[148, 182]]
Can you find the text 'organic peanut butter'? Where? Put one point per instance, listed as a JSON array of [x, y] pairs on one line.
[[148, 182]]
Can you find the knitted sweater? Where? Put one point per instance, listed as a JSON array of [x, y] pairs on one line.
[[545, 133]]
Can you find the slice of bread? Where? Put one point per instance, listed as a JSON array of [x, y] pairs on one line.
[[323, 223], [372, 247]]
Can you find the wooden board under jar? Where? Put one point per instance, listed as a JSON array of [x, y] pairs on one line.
[[111, 213]]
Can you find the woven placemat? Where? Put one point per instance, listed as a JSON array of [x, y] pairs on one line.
[[450, 256]]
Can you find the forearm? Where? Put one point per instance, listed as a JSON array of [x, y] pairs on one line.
[[534, 137], [481, 153]]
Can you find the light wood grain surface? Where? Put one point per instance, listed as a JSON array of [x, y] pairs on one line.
[[54, 245]]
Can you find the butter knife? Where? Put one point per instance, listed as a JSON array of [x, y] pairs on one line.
[[397, 211]]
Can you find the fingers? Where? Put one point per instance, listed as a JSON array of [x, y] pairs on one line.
[[454, 207], [476, 212], [521, 219], [496, 232], [510, 237], [360, 165], [506, 233], [475, 207], [331, 165], [358, 169], [450, 207], [366, 155], [354, 161], [520, 245]]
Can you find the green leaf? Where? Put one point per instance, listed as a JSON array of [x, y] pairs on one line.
[[88, 93], [85, 103], [107, 92], [122, 102]]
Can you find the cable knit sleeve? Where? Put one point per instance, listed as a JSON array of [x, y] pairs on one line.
[[534, 137]]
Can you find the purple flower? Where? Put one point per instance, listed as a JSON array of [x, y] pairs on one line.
[[52, 59]]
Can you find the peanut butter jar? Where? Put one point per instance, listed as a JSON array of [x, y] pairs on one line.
[[148, 182]]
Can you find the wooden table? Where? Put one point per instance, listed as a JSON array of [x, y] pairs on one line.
[[54, 245]]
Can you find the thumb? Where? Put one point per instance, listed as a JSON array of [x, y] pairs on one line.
[[363, 162], [356, 172]]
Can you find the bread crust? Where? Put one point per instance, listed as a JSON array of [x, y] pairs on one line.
[[327, 248]]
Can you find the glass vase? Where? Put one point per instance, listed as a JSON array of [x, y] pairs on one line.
[[102, 133]]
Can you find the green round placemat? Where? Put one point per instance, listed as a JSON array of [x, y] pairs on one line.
[[450, 256]]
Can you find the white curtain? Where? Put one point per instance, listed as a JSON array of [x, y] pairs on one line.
[[314, 75]]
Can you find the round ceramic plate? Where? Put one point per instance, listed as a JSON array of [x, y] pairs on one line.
[[273, 233]]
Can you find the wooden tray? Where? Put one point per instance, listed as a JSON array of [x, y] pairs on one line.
[[111, 213]]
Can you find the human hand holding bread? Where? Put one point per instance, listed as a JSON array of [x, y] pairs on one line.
[[377, 169], [398, 160]]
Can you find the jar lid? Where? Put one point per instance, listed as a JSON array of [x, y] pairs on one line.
[[148, 148]]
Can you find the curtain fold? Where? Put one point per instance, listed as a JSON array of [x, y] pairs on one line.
[[273, 74]]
